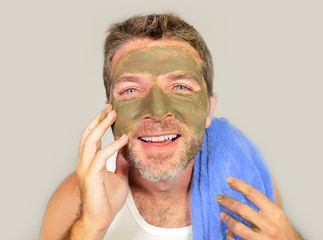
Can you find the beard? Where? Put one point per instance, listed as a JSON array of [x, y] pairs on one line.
[[156, 166]]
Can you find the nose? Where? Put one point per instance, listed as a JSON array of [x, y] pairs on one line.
[[156, 104]]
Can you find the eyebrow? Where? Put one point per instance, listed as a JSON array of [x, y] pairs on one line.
[[170, 77], [177, 76], [127, 78]]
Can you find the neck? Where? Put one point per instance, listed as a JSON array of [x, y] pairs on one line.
[[166, 203], [175, 188]]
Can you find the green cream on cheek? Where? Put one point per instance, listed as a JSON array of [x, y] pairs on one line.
[[190, 109]]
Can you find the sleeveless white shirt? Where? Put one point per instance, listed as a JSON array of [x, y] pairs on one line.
[[129, 225]]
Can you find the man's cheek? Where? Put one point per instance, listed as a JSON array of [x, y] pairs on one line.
[[127, 118], [197, 124], [192, 111], [119, 127]]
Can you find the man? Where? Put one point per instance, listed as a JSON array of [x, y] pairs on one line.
[[158, 76]]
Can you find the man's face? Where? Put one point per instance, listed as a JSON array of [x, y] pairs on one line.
[[159, 94]]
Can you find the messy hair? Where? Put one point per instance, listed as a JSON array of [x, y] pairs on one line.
[[155, 26]]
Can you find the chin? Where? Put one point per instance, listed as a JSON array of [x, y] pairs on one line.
[[157, 165]]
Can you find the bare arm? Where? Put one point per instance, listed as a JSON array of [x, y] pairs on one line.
[[85, 204], [62, 209]]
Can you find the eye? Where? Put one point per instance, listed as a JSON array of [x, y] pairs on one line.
[[182, 88], [128, 91]]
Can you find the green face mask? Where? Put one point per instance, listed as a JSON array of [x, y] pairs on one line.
[[188, 107], [161, 102]]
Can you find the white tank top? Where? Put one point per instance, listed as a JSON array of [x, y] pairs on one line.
[[129, 225]]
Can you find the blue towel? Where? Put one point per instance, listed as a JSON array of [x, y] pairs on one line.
[[225, 152]]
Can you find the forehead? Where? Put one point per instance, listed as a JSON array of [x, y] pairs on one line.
[[155, 56]]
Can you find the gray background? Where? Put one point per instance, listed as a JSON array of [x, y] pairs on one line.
[[268, 74]]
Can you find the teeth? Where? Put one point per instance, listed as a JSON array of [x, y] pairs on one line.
[[159, 138], [172, 136]]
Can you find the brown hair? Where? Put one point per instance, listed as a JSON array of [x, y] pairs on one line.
[[155, 26]]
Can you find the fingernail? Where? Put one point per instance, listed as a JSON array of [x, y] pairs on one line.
[[219, 197], [123, 136], [107, 109], [109, 115], [229, 180]]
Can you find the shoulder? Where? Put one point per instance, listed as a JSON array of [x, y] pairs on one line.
[[62, 209]]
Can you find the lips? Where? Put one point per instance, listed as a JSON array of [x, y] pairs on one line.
[[160, 139]]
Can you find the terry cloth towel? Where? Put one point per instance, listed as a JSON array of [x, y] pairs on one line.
[[225, 152]]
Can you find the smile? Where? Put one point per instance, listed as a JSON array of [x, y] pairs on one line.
[[162, 139]]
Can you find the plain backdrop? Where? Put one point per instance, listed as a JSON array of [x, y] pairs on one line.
[[268, 59]]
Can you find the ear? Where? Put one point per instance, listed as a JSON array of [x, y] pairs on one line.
[[213, 102], [106, 102]]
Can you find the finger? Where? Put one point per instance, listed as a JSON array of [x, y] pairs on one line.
[[242, 210], [98, 145], [90, 145], [265, 205], [230, 235], [95, 121], [237, 227], [105, 112], [101, 157], [122, 166], [89, 128]]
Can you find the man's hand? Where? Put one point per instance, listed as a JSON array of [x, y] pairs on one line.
[[103, 193], [270, 223]]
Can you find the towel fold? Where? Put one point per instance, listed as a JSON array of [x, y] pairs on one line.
[[225, 152]]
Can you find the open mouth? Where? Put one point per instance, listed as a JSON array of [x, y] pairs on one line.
[[159, 140]]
